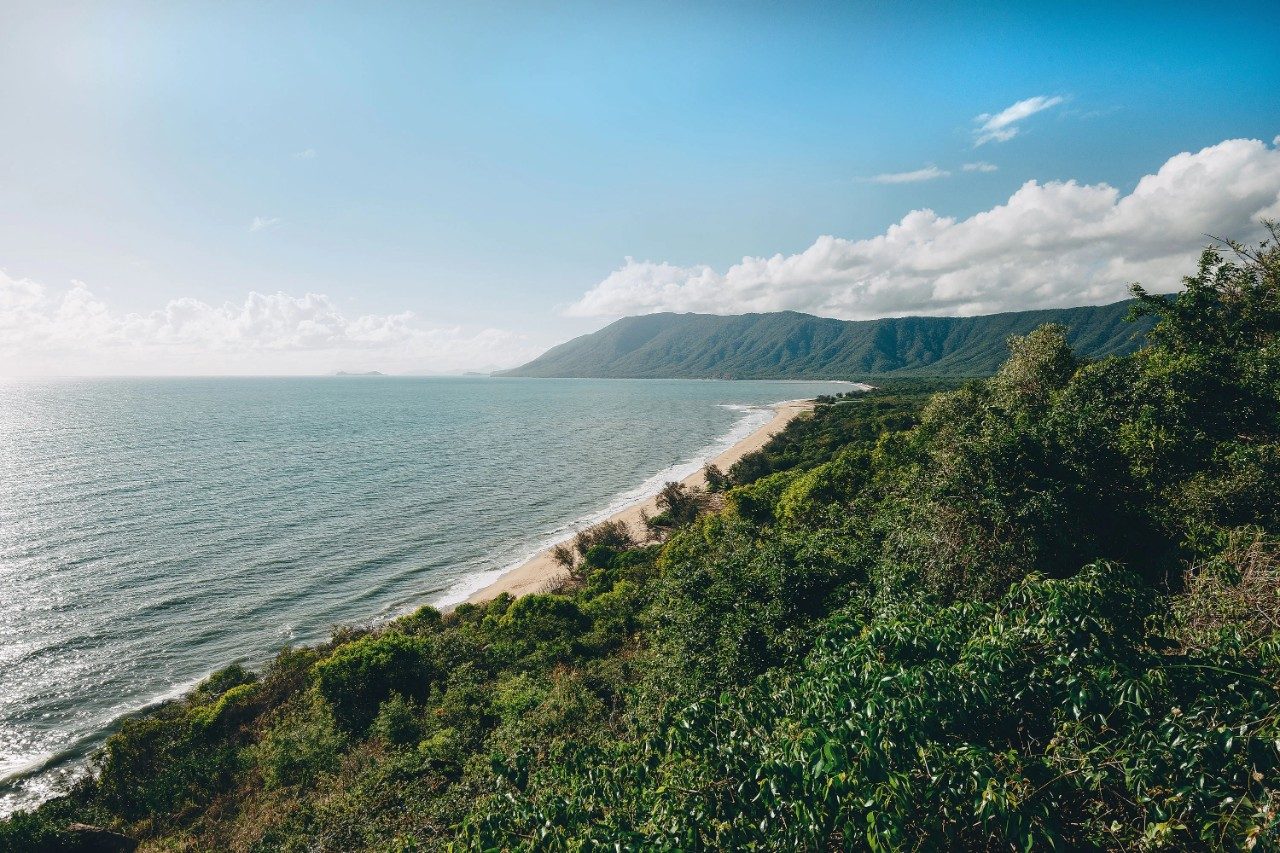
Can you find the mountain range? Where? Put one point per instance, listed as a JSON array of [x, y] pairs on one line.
[[792, 345]]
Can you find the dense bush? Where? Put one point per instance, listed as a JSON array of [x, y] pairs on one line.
[[545, 628], [1043, 719], [359, 676], [593, 548]]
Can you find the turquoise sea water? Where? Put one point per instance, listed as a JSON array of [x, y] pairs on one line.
[[153, 530]]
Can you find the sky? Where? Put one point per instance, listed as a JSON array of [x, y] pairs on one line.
[[281, 188]]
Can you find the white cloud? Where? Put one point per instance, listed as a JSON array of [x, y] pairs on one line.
[[980, 166], [306, 154], [1050, 245], [928, 173], [1003, 126], [261, 223], [73, 332]]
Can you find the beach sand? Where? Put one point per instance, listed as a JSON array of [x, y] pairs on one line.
[[540, 573]]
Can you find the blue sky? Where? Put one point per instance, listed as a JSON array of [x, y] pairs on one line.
[[485, 165]]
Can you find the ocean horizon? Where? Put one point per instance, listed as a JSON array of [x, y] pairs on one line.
[[153, 530]]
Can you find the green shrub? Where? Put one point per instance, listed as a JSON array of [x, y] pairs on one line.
[[540, 629], [614, 616], [466, 704], [232, 708], [166, 762], [1043, 720], [287, 675], [443, 748], [424, 620], [758, 501], [222, 681], [810, 498], [300, 747], [359, 676], [398, 722], [36, 832], [716, 479], [593, 548]]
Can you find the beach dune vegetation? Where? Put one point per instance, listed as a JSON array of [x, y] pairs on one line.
[[678, 505], [593, 547]]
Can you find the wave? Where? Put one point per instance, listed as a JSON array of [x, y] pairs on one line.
[[29, 782], [278, 553]]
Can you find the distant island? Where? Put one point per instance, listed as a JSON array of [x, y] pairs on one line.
[[366, 373], [791, 345]]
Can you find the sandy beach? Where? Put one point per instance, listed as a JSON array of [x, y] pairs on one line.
[[541, 573]]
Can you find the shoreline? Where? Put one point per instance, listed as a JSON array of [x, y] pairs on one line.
[[541, 573], [538, 573], [65, 765]]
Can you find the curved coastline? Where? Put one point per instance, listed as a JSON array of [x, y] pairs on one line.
[[51, 773], [541, 573]]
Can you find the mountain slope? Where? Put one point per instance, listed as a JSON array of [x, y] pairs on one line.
[[790, 345]]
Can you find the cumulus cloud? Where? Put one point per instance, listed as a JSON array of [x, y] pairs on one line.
[[928, 173], [980, 166], [72, 331], [261, 223], [1003, 126], [1054, 244]]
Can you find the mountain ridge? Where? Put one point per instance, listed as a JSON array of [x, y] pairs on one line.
[[794, 345]]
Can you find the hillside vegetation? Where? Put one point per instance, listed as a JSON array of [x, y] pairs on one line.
[[789, 345], [1034, 611]]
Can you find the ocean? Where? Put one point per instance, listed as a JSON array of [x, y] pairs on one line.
[[154, 530]]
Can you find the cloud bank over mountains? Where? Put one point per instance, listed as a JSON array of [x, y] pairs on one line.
[[1053, 244], [73, 332]]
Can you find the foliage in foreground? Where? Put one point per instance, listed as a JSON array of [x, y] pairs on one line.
[[1046, 718], [1038, 610]]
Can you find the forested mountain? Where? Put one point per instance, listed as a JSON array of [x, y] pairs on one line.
[[790, 345]]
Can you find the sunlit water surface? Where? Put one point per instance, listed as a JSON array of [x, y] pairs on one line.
[[154, 530]]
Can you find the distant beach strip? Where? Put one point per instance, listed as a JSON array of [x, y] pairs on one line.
[[541, 573]]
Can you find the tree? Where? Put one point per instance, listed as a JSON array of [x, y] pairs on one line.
[[359, 676], [593, 547], [678, 506], [717, 480]]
